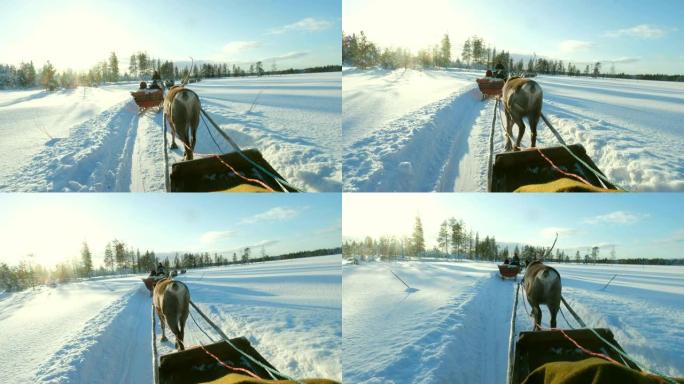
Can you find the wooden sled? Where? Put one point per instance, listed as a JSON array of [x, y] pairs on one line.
[[508, 271], [490, 86], [212, 174], [512, 170], [148, 98], [534, 349]]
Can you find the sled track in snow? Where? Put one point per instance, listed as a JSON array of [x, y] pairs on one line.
[[420, 152], [94, 157]]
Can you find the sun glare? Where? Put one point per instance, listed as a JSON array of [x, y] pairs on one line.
[[75, 38], [408, 24], [51, 233]]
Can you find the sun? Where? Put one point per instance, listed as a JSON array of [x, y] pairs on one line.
[[76, 38]]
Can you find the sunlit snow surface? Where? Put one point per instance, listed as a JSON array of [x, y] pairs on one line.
[[93, 139], [99, 331], [408, 130], [453, 325]]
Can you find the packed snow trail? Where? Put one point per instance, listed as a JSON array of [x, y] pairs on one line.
[[99, 331], [93, 139], [454, 325], [408, 130]]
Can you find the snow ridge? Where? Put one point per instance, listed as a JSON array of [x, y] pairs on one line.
[[409, 154], [111, 336], [91, 158]]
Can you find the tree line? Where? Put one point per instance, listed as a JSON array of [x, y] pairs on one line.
[[456, 241], [141, 67], [121, 258], [359, 51]]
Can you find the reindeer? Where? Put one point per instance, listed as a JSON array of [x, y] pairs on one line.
[[542, 285], [521, 98], [172, 303], [182, 109]]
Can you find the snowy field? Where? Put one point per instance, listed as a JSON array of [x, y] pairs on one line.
[[99, 331], [453, 324], [93, 139], [408, 130]]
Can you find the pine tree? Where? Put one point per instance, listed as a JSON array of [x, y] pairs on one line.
[[418, 241], [133, 65], [87, 259], [467, 53], [113, 68], [443, 237], [142, 63], [445, 50], [47, 76], [109, 257]]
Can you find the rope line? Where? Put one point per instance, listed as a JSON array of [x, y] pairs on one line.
[[200, 328], [279, 180], [272, 372], [247, 371], [554, 166], [598, 174], [623, 355]]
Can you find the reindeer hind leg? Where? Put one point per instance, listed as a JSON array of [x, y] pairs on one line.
[[521, 132], [509, 131], [534, 121]]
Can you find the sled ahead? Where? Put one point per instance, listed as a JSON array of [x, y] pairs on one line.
[[148, 98], [508, 271], [490, 86]]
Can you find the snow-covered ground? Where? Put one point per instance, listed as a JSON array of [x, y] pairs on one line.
[[93, 139], [453, 324], [98, 331], [408, 130]]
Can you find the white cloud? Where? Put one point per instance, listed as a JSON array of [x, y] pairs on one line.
[[550, 232], [624, 60], [214, 236], [642, 31], [617, 217], [287, 56], [273, 214], [240, 46], [307, 24], [568, 46]]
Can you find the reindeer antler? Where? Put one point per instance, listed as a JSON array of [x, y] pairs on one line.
[[551, 249]]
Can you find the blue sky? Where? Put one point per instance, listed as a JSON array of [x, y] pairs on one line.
[[638, 225], [53, 226], [635, 36], [79, 33]]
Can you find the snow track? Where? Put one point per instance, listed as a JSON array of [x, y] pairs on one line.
[[454, 327], [97, 141], [94, 157], [99, 331], [404, 132], [419, 152], [116, 334]]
